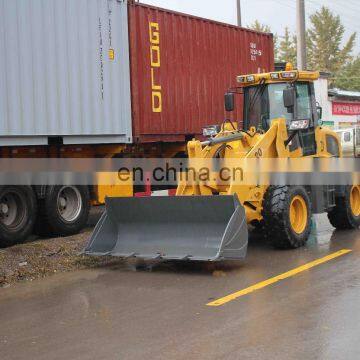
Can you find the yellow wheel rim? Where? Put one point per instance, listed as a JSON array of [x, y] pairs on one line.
[[298, 214], [355, 200]]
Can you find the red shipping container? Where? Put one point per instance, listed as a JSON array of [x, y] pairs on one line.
[[182, 65]]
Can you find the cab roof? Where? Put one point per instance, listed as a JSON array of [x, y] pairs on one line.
[[288, 75]]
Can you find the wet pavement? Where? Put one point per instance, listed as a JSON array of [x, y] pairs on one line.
[[120, 313]]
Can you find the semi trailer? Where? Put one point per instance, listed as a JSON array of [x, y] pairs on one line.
[[107, 79]]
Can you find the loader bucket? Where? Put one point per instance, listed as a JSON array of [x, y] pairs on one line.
[[202, 228]]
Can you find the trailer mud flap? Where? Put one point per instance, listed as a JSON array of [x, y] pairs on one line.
[[202, 228]]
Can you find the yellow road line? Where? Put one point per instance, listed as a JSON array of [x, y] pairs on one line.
[[261, 285]]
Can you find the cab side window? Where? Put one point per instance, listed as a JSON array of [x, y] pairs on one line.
[[332, 146], [303, 101]]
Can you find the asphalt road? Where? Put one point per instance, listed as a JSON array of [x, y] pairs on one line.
[[123, 313]]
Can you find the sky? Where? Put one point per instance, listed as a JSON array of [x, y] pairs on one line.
[[276, 13]]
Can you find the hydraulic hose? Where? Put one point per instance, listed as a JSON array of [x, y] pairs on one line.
[[222, 140]]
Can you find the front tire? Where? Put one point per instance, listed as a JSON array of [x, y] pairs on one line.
[[287, 216], [64, 211], [258, 225], [346, 213], [18, 211]]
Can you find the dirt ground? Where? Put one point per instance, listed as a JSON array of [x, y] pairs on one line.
[[41, 258]]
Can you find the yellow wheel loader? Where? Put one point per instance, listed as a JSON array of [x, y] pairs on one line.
[[208, 220]]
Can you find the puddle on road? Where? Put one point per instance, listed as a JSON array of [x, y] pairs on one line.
[[216, 269], [322, 237]]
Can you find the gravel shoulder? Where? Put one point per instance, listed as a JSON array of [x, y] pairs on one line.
[[39, 258]]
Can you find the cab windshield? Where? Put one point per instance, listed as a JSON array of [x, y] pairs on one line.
[[265, 103]]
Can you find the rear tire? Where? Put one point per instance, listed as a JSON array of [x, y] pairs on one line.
[[346, 213], [18, 211], [287, 216], [64, 211]]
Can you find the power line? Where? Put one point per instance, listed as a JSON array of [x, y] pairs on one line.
[[347, 78], [339, 12], [316, 5], [354, 4], [287, 4]]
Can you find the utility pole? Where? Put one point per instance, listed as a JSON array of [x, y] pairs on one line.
[[301, 39], [238, 5]]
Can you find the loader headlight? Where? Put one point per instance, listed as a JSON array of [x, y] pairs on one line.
[[211, 131], [299, 124], [289, 75], [246, 79], [250, 78]]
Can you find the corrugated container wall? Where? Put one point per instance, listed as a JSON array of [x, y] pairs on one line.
[[64, 71], [181, 67], [105, 71]]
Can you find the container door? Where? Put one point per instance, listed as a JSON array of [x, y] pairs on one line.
[[64, 71]]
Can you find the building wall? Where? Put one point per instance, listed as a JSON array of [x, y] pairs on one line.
[[337, 121]]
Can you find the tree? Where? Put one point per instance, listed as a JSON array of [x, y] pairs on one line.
[[324, 46], [287, 48], [349, 77], [324, 39], [257, 26]]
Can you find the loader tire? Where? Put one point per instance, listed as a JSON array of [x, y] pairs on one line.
[[287, 216], [64, 211], [346, 213], [18, 210], [258, 225]]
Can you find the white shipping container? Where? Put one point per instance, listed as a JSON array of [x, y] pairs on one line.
[[64, 72]]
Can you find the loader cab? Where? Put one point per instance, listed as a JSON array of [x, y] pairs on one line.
[[265, 103], [294, 101]]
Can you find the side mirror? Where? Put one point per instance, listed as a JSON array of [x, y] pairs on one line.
[[229, 102], [289, 99], [319, 111]]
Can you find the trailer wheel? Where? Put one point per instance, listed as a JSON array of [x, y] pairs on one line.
[[18, 210], [287, 216], [346, 213], [64, 211]]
